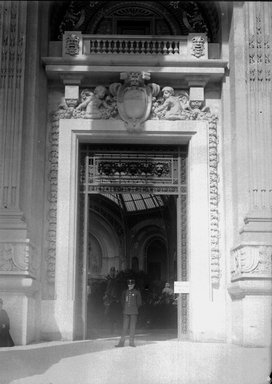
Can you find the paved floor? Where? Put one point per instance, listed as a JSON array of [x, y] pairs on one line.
[[157, 359]]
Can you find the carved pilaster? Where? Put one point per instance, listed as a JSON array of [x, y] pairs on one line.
[[259, 94], [12, 48]]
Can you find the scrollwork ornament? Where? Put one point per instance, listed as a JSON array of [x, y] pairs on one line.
[[251, 261], [6, 257]]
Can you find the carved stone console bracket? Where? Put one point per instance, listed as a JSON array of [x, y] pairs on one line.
[[251, 261], [18, 257], [251, 271]]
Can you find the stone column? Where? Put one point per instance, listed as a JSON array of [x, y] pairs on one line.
[[250, 280]]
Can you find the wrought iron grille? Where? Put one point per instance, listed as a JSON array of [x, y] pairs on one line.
[[128, 169]]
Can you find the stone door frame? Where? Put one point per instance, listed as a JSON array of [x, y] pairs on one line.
[[71, 134]]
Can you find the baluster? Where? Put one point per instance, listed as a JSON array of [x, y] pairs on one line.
[[164, 48], [144, 47], [118, 46], [107, 46], [94, 46], [149, 47], [125, 47], [114, 48], [158, 47], [161, 46], [141, 47], [130, 46], [91, 46], [136, 50], [98, 46], [103, 46], [176, 49], [170, 49]]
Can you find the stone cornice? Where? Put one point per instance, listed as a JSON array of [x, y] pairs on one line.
[[98, 67]]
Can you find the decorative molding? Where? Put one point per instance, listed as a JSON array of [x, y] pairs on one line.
[[251, 261], [52, 196]]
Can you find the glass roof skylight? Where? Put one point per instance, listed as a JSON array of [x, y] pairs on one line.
[[136, 202]]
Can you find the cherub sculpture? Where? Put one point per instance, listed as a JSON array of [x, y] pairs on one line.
[[94, 105], [171, 108]]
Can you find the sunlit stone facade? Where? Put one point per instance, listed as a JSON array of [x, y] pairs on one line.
[[139, 75]]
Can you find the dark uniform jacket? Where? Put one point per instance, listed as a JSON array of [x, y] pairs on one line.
[[131, 301], [5, 338]]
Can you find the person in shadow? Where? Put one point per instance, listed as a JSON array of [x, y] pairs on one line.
[[5, 338], [131, 301]]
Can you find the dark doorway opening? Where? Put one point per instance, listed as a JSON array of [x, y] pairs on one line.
[[131, 237]]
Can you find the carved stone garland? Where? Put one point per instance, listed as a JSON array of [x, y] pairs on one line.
[[188, 113]]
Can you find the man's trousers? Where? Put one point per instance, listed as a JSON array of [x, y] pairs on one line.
[[129, 321]]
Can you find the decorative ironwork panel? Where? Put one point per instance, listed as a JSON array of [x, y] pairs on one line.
[[123, 170]]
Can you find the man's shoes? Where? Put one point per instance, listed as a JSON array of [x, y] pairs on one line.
[[119, 345], [132, 345]]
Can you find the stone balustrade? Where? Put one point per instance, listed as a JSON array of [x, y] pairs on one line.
[[145, 45], [193, 46]]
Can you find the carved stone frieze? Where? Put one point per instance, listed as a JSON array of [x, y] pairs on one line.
[[251, 261], [18, 256], [133, 102], [134, 168]]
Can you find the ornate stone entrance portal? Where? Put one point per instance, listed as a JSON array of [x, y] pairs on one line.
[[140, 178], [196, 135]]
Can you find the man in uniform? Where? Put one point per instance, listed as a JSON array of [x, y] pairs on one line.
[[5, 338], [131, 301]]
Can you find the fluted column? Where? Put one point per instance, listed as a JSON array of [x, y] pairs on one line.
[[12, 48]]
